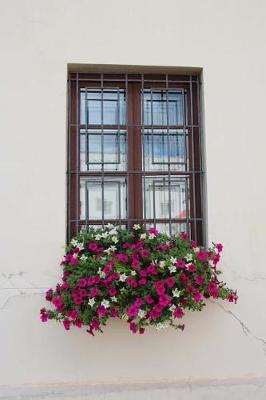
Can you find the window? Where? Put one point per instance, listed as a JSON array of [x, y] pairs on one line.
[[134, 152]]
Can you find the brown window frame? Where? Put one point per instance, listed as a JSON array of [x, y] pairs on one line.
[[134, 84]]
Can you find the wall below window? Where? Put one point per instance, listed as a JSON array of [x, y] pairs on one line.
[[224, 343]]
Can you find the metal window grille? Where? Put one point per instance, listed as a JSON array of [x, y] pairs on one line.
[[134, 152]]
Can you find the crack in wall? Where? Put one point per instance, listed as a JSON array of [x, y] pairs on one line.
[[246, 330]]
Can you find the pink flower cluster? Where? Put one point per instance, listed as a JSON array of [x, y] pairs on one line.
[[148, 282]]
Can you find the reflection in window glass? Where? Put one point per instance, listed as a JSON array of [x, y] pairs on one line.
[[103, 199], [164, 201], [162, 147], [102, 106], [105, 150], [163, 107]]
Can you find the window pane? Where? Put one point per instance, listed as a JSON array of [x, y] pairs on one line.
[[105, 150], [166, 197], [163, 148], [163, 107], [176, 228], [103, 199], [102, 106]]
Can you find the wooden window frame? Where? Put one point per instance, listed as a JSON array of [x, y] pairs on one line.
[[134, 85]]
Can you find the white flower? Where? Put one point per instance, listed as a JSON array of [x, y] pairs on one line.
[[114, 239], [176, 293], [113, 232], [162, 264], [105, 303], [161, 325], [196, 249], [98, 237], [105, 235], [123, 290], [172, 308], [83, 257], [173, 260], [123, 277], [91, 302], [189, 257], [114, 299], [74, 242], [136, 227], [143, 236], [110, 249], [101, 273], [152, 236], [133, 273], [172, 268], [142, 313], [109, 226]]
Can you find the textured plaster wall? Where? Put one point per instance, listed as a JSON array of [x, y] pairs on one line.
[[38, 40]]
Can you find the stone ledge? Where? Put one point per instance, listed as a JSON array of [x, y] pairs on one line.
[[241, 389]]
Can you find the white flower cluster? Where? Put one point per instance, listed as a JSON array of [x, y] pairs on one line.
[[78, 244]]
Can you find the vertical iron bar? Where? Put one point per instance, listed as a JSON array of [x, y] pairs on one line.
[[168, 151], [127, 148], [193, 158], [68, 159], [77, 152], [102, 150], [86, 131], [118, 127], [154, 202], [143, 149]]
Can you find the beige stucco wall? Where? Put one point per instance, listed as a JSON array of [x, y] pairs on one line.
[[38, 40]]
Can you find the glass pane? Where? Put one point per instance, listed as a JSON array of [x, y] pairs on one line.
[[162, 147], [175, 227], [102, 106], [105, 150], [163, 201], [163, 107], [101, 200]]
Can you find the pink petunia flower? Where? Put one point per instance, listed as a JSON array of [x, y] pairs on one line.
[[78, 323], [164, 300], [197, 296], [178, 312], [184, 236], [202, 255], [66, 323], [142, 282], [94, 291], [133, 327], [191, 268], [132, 282], [82, 282], [72, 314], [159, 287], [132, 311], [153, 231], [213, 290], [112, 292], [101, 311], [138, 302], [92, 246], [135, 263], [170, 282], [199, 280], [149, 299], [123, 258], [145, 253], [219, 247], [180, 264]]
